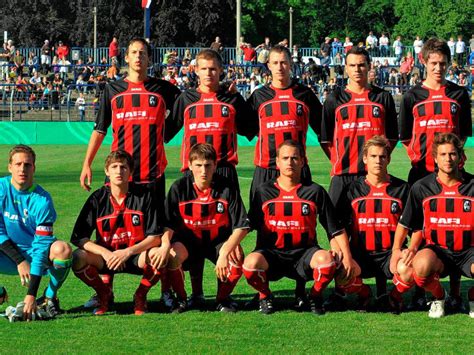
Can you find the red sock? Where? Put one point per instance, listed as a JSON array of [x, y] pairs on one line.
[[356, 285], [224, 289], [431, 284], [90, 276], [108, 279], [322, 276], [150, 277], [400, 285], [176, 278], [470, 294], [258, 280]]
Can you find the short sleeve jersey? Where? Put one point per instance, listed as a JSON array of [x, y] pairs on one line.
[[27, 219], [118, 226], [425, 112], [375, 212], [282, 114], [286, 220], [445, 214], [205, 217], [137, 113], [213, 118], [350, 119]]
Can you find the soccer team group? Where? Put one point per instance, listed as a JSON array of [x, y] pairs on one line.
[[142, 230]]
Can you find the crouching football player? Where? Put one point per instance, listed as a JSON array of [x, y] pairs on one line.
[[124, 217], [442, 205], [284, 215], [206, 219], [375, 203], [27, 244]]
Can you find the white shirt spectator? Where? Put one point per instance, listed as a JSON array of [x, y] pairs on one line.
[[460, 46], [398, 46], [371, 40], [451, 45], [417, 45], [383, 41]]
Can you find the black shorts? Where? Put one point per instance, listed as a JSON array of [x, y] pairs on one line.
[[294, 264], [131, 267], [373, 264], [262, 175], [416, 174], [455, 262], [198, 252], [225, 170], [339, 185]]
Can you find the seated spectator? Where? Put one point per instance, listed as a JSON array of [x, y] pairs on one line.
[[58, 82], [385, 71], [113, 72], [451, 76], [394, 81], [35, 80], [372, 77], [55, 65], [33, 63], [415, 79], [462, 79], [18, 62], [21, 87], [80, 82]]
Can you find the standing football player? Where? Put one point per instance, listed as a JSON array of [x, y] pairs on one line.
[[215, 115], [284, 215], [375, 203], [429, 108], [28, 246], [441, 205], [282, 110], [123, 215], [136, 107], [206, 219]]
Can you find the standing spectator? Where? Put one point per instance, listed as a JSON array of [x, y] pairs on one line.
[[371, 44], [347, 45], [12, 49], [417, 45], [383, 42], [398, 48], [19, 62], [62, 51], [460, 49], [405, 70], [81, 107], [32, 63], [4, 59], [45, 57], [452, 47], [217, 45], [336, 46], [239, 51], [326, 46], [250, 55], [114, 51]]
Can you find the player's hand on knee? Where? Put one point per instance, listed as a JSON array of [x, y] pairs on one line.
[[350, 267], [236, 256], [222, 268], [407, 256], [119, 258], [24, 272], [396, 255], [29, 308], [159, 259]]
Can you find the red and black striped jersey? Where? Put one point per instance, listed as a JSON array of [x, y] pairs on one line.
[[117, 226], [374, 212], [213, 118], [350, 119], [287, 219], [137, 113], [444, 213], [279, 115], [205, 217], [425, 112]]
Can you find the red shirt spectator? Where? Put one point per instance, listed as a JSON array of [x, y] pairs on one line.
[[62, 51], [250, 55], [114, 48]]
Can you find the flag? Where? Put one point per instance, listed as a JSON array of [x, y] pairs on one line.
[[146, 4]]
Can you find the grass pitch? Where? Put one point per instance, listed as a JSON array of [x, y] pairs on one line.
[[286, 331]]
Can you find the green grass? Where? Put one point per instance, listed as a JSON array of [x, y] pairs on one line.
[[58, 169]]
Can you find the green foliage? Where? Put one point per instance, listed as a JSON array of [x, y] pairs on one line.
[[439, 18]]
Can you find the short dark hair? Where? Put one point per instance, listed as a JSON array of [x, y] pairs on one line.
[[203, 151], [377, 141], [280, 49], [21, 148], [359, 51], [447, 138], [142, 41], [294, 144], [209, 54], [435, 45], [121, 156]]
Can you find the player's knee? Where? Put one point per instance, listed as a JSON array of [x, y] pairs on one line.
[[255, 261], [321, 257], [79, 259], [405, 271], [423, 265], [60, 250]]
